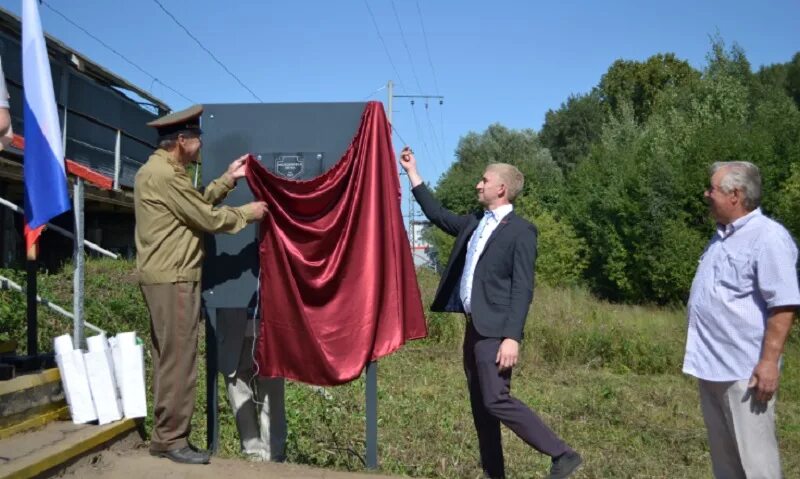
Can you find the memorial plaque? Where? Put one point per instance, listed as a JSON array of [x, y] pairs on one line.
[[289, 166], [296, 141]]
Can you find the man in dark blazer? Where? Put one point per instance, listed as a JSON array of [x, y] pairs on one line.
[[489, 278]]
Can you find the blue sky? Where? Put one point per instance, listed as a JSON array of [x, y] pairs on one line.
[[500, 61]]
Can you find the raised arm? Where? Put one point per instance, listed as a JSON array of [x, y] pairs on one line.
[[187, 204], [445, 219], [217, 190]]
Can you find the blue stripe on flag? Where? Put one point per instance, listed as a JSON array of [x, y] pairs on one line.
[[45, 181]]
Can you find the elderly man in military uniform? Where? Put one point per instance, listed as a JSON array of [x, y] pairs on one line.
[[171, 219]]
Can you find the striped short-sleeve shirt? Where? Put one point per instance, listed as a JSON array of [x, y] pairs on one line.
[[3, 88], [748, 268]]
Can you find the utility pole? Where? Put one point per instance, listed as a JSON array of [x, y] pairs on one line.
[[371, 373], [371, 456], [390, 89], [390, 100], [411, 212]]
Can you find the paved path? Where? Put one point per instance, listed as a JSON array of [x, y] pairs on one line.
[[131, 459]]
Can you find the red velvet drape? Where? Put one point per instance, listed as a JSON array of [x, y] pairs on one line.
[[338, 287]]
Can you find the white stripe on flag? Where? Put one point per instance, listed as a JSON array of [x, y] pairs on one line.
[[37, 80], [46, 193]]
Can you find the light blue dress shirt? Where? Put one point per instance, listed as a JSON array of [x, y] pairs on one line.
[[748, 268], [487, 225]]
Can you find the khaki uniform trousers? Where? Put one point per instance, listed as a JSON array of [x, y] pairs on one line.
[[174, 322]]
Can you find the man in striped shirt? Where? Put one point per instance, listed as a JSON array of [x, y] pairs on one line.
[[740, 311]]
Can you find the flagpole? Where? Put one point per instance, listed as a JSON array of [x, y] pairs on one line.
[[45, 177], [78, 274], [33, 329]]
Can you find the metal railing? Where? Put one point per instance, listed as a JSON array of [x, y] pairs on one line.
[[78, 321], [61, 230], [8, 284]]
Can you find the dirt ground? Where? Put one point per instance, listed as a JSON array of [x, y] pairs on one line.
[[130, 458]]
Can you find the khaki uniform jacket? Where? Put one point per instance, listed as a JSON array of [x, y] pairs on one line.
[[171, 217]]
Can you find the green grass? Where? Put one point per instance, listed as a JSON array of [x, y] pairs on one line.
[[606, 377]]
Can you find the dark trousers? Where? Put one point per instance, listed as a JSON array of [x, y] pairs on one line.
[[174, 319], [492, 403]]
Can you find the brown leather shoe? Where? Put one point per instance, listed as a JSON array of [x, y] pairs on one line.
[[184, 455]]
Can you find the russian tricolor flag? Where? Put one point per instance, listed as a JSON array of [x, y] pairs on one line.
[[45, 178]]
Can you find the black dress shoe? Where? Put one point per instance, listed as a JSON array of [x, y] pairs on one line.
[[564, 465], [197, 449], [184, 455]]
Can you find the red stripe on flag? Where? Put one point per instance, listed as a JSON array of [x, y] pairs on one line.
[[18, 142], [32, 239]]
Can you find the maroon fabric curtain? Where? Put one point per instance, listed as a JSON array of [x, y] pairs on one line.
[[338, 287]]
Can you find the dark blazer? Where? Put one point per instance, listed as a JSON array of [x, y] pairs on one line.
[[502, 288]]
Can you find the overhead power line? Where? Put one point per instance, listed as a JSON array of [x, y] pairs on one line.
[[439, 147], [427, 98], [114, 51], [437, 143], [419, 130], [405, 44], [427, 49], [439, 138], [435, 82], [441, 125], [203, 47], [385, 48], [399, 135], [382, 87]]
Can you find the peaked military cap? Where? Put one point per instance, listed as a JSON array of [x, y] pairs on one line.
[[184, 121]]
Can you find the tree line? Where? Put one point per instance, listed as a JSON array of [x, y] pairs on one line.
[[615, 177]]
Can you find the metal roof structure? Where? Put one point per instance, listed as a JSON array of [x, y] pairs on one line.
[[103, 119]]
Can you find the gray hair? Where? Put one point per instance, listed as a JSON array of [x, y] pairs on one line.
[[743, 176], [168, 144], [512, 178]]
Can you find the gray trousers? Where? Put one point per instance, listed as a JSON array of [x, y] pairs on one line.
[[741, 431], [258, 404]]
